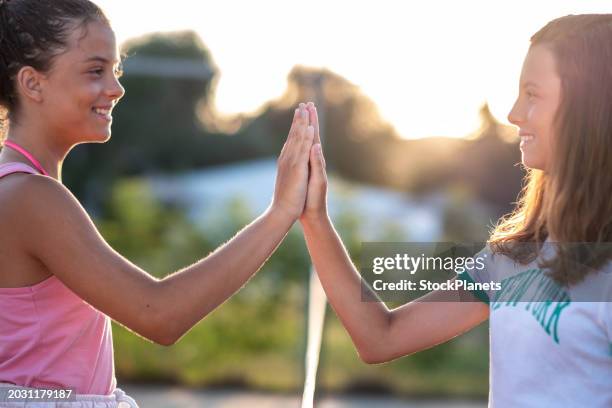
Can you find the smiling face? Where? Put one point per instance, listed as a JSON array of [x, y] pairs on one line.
[[82, 87], [536, 105]]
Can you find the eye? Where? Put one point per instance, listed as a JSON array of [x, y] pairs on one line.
[[97, 71], [530, 94]]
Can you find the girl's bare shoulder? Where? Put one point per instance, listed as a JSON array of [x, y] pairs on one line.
[[26, 200], [18, 268]]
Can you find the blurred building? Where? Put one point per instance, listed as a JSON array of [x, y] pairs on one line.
[[381, 211]]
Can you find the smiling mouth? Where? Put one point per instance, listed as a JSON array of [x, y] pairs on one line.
[[103, 113], [527, 138]]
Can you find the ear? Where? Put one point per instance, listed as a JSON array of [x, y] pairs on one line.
[[29, 83]]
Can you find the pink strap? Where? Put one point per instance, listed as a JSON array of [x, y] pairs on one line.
[[15, 167], [27, 155]]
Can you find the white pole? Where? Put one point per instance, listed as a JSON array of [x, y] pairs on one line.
[[317, 301]]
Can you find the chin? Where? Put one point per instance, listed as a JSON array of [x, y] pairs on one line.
[[96, 138], [532, 163], [100, 137]]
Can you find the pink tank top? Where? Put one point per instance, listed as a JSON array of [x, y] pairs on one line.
[[51, 338]]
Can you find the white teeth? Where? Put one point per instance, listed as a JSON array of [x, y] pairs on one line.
[[526, 138], [104, 112]]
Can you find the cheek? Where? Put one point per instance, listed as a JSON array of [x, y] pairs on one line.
[[88, 93], [79, 94], [540, 116], [61, 100], [545, 131]]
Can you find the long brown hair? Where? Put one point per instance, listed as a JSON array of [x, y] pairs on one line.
[[572, 200]]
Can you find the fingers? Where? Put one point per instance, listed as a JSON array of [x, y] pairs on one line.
[[323, 158], [292, 129], [317, 163], [301, 121], [296, 115], [307, 141], [314, 121], [301, 131], [297, 127], [301, 135]]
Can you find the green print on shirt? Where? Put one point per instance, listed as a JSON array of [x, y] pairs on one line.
[[539, 294]]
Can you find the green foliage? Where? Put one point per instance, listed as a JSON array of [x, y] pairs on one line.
[[155, 237], [458, 368]]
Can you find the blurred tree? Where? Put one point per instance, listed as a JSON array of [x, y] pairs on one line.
[[361, 146]]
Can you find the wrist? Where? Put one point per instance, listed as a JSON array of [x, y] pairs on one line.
[[281, 215], [310, 220]]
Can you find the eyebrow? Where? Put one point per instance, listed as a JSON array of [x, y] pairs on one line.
[[530, 83], [101, 59]]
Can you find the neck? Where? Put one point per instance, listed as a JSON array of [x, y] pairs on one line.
[[41, 146]]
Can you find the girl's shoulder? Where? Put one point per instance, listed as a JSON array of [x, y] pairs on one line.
[[18, 268], [26, 199], [20, 187]]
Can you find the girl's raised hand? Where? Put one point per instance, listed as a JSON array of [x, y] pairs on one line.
[[292, 173], [316, 198]]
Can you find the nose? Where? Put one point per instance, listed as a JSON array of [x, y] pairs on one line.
[[115, 90], [515, 116]]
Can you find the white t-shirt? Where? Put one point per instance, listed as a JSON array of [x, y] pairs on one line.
[[551, 353]]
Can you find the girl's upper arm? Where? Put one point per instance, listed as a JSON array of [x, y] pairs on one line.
[[55, 229]]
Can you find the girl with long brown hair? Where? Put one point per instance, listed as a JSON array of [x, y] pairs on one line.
[[554, 348]]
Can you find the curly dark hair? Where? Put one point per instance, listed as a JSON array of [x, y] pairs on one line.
[[32, 33]]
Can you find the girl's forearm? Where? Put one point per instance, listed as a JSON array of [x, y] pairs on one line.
[[367, 321], [188, 295]]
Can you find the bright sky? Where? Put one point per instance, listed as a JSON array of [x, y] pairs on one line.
[[428, 65]]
